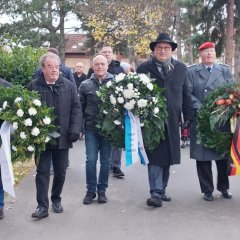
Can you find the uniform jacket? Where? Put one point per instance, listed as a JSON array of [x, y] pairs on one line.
[[90, 101], [63, 97], [178, 99], [202, 82], [114, 68]]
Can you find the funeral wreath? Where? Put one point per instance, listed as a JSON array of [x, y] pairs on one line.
[[140, 95], [218, 116], [31, 119]]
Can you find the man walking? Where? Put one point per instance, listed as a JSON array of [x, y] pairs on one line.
[[95, 143], [171, 75], [59, 93], [205, 78]]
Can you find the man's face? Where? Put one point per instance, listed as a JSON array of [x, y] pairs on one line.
[[100, 66], [79, 68], [107, 52], [208, 56], [163, 51], [51, 69]]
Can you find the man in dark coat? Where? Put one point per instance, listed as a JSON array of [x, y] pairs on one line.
[[114, 68], [79, 75], [59, 93], [5, 84], [171, 75], [95, 143], [205, 78]]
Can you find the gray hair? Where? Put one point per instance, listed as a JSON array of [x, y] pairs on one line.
[[45, 56]]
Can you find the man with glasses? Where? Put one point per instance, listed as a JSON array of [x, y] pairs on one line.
[[59, 93], [205, 78], [171, 75], [95, 143]]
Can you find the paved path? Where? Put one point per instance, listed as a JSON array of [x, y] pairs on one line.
[[126, 215]]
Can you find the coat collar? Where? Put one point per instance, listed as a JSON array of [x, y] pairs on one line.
[[215, 73]]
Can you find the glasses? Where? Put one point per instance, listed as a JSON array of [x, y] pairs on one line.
[[107, 52], [166, 49], [51, 67], [208, 50]]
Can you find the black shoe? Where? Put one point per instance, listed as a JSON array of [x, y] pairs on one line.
[[40, 212], [1, 213], [154, 202], [208, 196], [117, 172], [89, 197], [57, 207], [226, 194], [166, 198], [102, 197]]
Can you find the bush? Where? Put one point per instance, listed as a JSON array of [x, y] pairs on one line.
[[19, 66]]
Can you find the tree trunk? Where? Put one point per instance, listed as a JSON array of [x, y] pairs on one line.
[[178, 33], [229, 33], [237, 56], [62, 37]]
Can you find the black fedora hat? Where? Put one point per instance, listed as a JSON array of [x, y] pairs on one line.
[[163, 37]]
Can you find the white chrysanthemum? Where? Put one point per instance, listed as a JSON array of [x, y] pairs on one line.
[[37, 102], [129, 106], [142, 103], [5, 104], [128, 93], [154, 99], [113, 100], [150, 86], [32, 111], [47, 139], [156, 110], [105, 112], [15, 125], [130, 86], [109, 84], [35, 131], [141, 124], [30, 148], [14, 148], [18, 99], [28, 122], [23, 135], [120, 100], [120, 77], [47, 120], [144, 78], [20, 112], [117, 122]]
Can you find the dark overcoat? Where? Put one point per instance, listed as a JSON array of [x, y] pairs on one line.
[[202, 82], [62, 96], [178, 99]]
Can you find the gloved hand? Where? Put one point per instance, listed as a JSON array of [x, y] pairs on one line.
[[72, 137], [186, 124]]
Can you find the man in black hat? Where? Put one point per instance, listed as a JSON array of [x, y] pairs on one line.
[[171, 75]]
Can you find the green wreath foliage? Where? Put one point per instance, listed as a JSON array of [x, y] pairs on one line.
[[215, 114], [138, 94]]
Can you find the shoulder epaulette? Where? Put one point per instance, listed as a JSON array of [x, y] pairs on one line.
[[223, 64], [192, 65]]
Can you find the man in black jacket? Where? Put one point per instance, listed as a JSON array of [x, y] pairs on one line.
[[95, 143], [59, 93], [113, 68]]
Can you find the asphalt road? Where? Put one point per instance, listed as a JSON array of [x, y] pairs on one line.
[[126, 215]]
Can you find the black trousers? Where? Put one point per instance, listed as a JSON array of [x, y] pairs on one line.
[[204, 170], [59, 159]]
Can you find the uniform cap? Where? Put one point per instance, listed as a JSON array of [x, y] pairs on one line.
[[206, 45]]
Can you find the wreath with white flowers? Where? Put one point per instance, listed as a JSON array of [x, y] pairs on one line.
[[217, 118], [138, 94], [32, 122]]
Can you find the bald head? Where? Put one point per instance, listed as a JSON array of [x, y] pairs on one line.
[[100, 66]]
